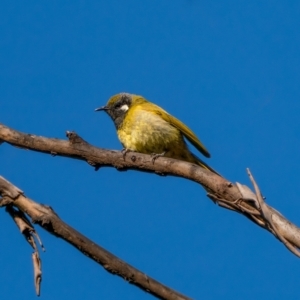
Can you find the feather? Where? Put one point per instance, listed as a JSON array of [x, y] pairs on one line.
[[187, 132]]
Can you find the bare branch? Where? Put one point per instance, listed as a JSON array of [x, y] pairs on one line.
[[49, 220], [29, 233], [267, 214], [222, 191], [26, 228], [237, 197]]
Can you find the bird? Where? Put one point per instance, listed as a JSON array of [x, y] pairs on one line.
[[144, 127]]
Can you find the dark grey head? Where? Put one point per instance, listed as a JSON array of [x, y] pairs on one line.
[[117, 107]]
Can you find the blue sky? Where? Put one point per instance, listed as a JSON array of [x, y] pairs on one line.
[[230, 71]]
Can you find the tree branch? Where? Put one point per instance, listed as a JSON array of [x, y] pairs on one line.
[[222, 191], [235, 197], [49, 220]]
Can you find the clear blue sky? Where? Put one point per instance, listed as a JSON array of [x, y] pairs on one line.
[[228, 70]]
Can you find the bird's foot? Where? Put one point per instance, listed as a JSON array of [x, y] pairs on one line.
[[155, 156], [124, 151]]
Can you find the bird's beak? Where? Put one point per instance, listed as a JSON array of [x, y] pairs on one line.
[[102, 108]]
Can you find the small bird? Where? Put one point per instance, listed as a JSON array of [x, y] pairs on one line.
[[145, 127]]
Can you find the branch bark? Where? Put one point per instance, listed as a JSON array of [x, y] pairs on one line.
[[235, 197], [49, 220]]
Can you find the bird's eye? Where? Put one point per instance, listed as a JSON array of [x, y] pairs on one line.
[[118, 106]]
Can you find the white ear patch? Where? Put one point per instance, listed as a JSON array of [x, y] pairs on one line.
[[124, 107]]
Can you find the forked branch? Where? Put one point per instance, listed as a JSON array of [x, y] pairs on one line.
[[49, 220]]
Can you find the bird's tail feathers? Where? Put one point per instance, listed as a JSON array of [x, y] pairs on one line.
[[202, 164]]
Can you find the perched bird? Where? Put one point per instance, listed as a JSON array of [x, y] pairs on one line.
[[146, 128]]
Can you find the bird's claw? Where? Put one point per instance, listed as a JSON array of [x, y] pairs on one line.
[[124, 151], [155, 156]]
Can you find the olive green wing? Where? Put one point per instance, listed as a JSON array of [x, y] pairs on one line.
[[188, 133]]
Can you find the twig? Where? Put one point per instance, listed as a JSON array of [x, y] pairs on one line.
[[29, 233], [267, 215], [37, 271]]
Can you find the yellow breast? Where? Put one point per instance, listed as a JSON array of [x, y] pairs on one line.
[[147, 132]]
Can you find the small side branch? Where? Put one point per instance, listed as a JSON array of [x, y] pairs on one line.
[[267, 215], [37, 271], [28, 231]]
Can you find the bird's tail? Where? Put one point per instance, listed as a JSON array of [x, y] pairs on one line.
[[202, 164]]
